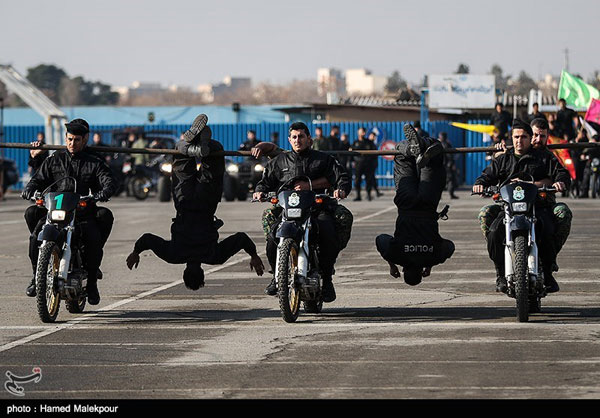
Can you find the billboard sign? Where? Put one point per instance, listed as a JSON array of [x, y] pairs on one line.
[[462, 91]]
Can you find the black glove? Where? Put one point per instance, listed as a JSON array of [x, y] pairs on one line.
[[100, 197], [27, 194]]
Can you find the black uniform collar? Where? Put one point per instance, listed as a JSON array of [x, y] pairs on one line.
[[304, 153]]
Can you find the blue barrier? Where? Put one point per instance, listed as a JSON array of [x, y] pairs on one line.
[[232, 135]]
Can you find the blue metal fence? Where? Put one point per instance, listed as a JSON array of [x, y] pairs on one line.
[[232, 135]]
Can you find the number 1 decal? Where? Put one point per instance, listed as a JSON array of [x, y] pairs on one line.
[[59, 200]]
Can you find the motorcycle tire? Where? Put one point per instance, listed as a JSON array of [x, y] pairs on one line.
[[137, 188], [164, 189], [75, 306], [313, 306], [229, 188], [289, 295], [47, 296], [521, 276]]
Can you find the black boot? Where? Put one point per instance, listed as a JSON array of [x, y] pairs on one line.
[[501, 285], [328, 291], [550, 282], [31, 291], [197, 126], [92, 292], [421, 148], [199, 134], [271, 289]]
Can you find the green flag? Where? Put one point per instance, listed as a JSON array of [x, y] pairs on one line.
[[575, 91]]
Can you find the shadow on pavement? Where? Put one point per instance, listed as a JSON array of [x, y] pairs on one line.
[[184, 316], [420, 314]]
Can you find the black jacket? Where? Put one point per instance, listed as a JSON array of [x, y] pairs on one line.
[[365, 145], [501, 120], [541, 164], [310, 163], [90, 170]]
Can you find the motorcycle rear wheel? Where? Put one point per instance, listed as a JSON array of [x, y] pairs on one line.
[[289, 295], [521, 277], [46, 275]]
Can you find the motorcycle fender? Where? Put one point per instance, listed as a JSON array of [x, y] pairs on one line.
[[520, 223], [48, 233], [288, 230]]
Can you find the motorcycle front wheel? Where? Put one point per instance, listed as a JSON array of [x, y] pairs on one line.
[[521, 276], [313, 306], [75, 306], [46, 276], [289, 295], [138, 187]]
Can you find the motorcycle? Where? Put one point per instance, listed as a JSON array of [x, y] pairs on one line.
[[60, 273], [522, 266], [297, 268]]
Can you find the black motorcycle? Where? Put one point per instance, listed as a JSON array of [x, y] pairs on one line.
[[297, 269], [60, 273], [522, 266]]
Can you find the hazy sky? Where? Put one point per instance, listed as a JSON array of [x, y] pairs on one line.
[[194, 42]]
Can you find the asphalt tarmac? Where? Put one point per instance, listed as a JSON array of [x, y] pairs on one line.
[[452, 336]]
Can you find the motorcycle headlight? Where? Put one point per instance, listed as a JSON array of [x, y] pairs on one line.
[[232, 168], [294, 213], [259, 168], [519, 207], [58, 215], [166, 168]]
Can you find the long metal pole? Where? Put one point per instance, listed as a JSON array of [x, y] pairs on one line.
[[464, 150]]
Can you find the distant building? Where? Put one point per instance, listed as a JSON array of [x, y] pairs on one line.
[[230, 85], [361, 82], [331, 83]]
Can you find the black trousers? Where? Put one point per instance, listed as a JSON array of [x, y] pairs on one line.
[[174, 252], [545, 229], [329, 246], [93, 228], [368, 171], [418, 189]]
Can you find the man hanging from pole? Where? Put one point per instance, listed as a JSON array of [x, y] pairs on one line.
[[196, 194], [420, 177]]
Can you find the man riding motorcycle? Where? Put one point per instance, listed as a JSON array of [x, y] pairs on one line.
[[323, 171], [560, 210], [524, 161], [92, 175]]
